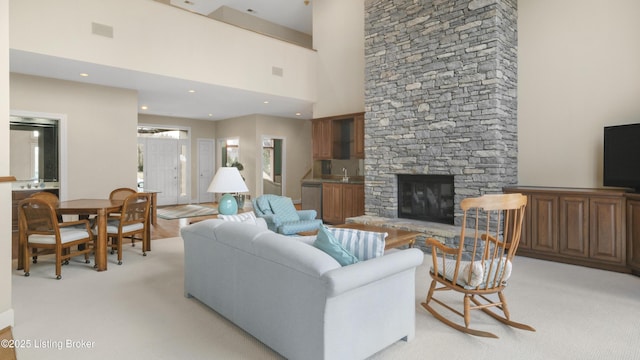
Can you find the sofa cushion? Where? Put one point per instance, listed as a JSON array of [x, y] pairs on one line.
[[364, 245], [326, 242], [284, 209]]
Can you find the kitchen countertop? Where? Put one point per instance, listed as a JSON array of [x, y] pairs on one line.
[[357, 180]]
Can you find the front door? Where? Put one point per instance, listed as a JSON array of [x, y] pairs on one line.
[[161, 169], [205, 169]]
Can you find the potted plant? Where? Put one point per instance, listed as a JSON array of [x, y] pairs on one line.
[[240, 198]]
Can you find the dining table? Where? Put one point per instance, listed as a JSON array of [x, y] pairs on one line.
[[84, 208]]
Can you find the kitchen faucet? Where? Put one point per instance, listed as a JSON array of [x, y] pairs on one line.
[[345, 177]]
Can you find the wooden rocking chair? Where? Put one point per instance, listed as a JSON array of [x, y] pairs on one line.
[[482, 262]]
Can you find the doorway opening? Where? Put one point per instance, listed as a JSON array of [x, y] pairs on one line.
[[272, 165], [164, 163]]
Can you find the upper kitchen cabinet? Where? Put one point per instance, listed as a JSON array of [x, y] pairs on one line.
[[322, 139], [338, 137]]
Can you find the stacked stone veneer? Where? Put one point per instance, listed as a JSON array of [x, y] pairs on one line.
[[440, 96]]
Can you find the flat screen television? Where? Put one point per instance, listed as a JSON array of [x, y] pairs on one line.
[[622, 156]]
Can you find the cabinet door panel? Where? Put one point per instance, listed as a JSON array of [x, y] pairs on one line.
[[353, 200], [606, 229], [633, 234], [544, 220], [321, 139], [574, 226], [332, 203], [359, 136]]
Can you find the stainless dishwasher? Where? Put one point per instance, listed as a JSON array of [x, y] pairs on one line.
[[312, 197]]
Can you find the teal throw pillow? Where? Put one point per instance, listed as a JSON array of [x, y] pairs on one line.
[[326, 242], [284, 209], [364, 245]]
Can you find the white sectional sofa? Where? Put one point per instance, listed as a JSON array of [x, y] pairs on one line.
[[295, 298]]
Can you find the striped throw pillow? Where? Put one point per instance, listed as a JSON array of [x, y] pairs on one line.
[[364, 245], [249, 217]]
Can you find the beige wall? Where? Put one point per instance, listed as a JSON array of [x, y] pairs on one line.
[[577, 72], [6, 309], [338, 36], [101, 125], [199, 129], [250, 129], [296, 134], [154, 38]]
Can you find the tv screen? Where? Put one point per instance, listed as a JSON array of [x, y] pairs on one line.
[[622, 156]]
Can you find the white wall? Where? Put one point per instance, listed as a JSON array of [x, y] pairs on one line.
[[338, 36], [578, 71], [6, 310], [155, 38], [101, 131]]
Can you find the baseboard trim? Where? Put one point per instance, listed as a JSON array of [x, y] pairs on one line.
[[6, 319]]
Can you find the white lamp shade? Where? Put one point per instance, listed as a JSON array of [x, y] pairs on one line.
[[227, 180]]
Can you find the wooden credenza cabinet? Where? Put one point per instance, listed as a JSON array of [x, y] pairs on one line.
[[633, 232], [586, 227], [341, 201]]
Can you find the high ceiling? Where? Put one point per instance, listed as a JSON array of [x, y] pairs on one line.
[[169, 96]]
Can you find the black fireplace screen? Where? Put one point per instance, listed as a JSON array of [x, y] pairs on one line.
[[426, 197]]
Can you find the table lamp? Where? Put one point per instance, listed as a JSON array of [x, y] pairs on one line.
[[226, 181]]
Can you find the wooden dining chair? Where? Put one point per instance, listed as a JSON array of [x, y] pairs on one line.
[[132, 223], [44, 234], [121, 193], [482, 262]]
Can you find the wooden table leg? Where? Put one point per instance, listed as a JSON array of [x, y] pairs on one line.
[[21, 242], [146, 244], [154, 210], [101, 241]]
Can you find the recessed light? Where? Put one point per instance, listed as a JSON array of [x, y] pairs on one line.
[[266, 101], [210, 115], [84, 74], [192, 91], [144, 107], [298, 114]]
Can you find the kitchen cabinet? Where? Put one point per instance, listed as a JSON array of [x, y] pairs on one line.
[[322, 139], [338, 137], [341, 201]]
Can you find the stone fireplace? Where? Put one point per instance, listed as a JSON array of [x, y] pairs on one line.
[[440, 97], [426, 198]]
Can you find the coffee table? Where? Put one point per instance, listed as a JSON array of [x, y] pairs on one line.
[[395, 237]]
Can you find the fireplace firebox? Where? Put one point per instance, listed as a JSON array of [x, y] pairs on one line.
[[426, 197]]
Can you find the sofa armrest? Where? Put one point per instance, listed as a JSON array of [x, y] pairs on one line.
[[362, 273], [307, 214], [273, 223]]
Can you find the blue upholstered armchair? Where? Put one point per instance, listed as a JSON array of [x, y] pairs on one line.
[[281, 215]]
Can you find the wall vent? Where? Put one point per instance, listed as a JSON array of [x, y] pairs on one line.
[[277, 71], [102, 30]]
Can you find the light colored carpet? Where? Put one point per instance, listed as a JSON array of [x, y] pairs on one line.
[[138, 311], [186, 211]]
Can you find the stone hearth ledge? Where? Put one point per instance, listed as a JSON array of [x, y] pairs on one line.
[[442, 232]]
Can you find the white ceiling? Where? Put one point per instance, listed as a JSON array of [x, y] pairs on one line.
[[293, 14], [169, 96]]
